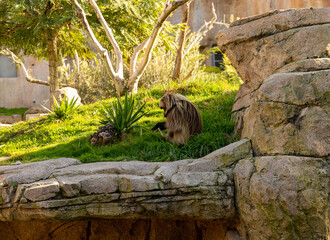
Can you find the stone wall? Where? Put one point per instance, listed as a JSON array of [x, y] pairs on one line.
[[283, 107], [187, 199]]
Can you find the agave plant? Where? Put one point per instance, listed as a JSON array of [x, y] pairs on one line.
[[63, 108], [122, 115]]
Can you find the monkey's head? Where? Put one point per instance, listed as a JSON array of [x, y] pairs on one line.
[[169, 101]]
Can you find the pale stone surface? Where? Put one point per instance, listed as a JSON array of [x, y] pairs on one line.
[[290, 115], [261, 58], [34, 110], [131, 183], [34, 116], [11, 119], [64, 189], [131, 167], [221, 158], [283, 197], [31, 172], [42, 190], [306, 65], [283, 107], [165, 172], [68, 92], [276, 42], [283, 59]]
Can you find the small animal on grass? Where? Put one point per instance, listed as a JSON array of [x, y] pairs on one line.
[[182, 119]]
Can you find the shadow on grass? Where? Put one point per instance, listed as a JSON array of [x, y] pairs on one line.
[[149, 146]]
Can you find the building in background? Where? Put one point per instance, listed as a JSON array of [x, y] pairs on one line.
[[16, 92], [230, 10]]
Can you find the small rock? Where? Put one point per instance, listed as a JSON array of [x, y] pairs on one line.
[[17, 163]]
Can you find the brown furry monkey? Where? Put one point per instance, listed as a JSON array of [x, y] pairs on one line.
[[182, 118]]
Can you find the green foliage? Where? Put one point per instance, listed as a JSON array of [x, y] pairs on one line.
[[122, 115], [131, 21], [26, 24], [43, 138], [64, 108], [90, 79]]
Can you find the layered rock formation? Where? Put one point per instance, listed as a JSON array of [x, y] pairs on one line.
[[283, 107], [194, 192], [283, 59]]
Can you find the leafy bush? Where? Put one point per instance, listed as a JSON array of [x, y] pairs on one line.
[[122, 115], [64, 108], [89, 77], [160, 67]]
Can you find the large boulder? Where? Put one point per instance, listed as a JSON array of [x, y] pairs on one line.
[[69, 93], [283, 197], [283, 59]]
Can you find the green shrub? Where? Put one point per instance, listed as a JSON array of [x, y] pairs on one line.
[[122, 115], [64, 108], [89, 77]]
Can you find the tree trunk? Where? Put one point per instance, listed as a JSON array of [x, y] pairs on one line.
[[179, 55], [53, 65], [76, 82]]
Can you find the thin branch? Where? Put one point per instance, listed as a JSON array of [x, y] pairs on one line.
[[136, 52], [108, 31], [139, 48], [28, 77], [179, 52], [169, 8], [117, 77], [203, 30]]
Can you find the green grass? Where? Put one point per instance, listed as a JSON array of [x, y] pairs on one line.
[[44, 138], [9, 112]]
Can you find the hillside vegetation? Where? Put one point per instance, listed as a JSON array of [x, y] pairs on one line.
[[46, 138]]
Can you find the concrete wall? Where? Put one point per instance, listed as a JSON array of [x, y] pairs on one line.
[[229, 10], [16, 92]]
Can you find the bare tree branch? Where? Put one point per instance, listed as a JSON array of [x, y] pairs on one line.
[[147, 45], [169, 8], [116, 76], [136, 52], [179, 52], [203, 30], [28, 77], [108, 31]]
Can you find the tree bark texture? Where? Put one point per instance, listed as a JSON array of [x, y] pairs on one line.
[[179, 55], [51, 37]]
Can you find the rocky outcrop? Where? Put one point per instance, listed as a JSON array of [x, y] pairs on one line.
[[68, 93], [64, 199], [283, 197], [283, 59], [283, 107], [64, 189]]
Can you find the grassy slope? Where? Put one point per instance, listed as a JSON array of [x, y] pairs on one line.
[[44, 138], [9, 112]]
